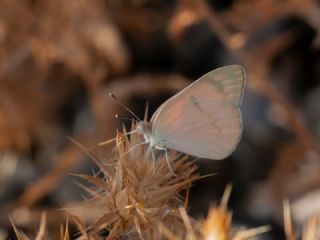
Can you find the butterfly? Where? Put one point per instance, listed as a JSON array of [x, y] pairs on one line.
[[203, 119]]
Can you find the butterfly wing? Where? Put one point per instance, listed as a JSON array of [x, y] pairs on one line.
[[204, 119]]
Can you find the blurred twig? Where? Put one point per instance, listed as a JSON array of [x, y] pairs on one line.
[[66, 160]]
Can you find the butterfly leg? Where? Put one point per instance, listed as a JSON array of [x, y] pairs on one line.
[[168, 162], [133, 131], [153, 159], [167, 158], [134, 147]]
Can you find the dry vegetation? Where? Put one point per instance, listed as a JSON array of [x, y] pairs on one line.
[[58, 60]]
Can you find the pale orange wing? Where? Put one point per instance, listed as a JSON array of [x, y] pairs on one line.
[[204, 119]]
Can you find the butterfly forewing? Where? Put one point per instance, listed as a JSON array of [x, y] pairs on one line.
[[204, 119]]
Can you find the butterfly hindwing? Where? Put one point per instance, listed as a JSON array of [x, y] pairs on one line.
[[204, 119]]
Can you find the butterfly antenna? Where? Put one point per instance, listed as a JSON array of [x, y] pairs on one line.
[[122, 118], [124, 106]]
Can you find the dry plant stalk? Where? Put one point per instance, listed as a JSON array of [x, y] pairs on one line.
[[42, 232], [310, 231], [136, 194], [218, 226], [218, 223]]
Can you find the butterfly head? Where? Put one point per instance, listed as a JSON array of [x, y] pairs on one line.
[[144, 128]]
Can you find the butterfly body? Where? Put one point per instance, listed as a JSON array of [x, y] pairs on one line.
[[204, 119], [145, 128]]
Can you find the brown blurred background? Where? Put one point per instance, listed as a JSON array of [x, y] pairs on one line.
[[59, 59]]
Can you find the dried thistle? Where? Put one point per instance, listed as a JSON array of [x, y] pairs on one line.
[[217, 226], [218, 223], [310, 228], [135, 195], [137, 199]]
